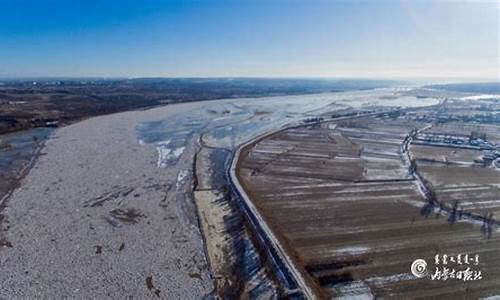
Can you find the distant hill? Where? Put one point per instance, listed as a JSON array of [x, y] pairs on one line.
[[204, 88], [36, 102]]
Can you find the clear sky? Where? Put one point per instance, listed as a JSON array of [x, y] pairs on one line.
[[370, 39]]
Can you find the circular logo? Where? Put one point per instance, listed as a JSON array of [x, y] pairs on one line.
[[419, 268]]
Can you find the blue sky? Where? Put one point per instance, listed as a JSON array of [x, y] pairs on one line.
[[369, 39]]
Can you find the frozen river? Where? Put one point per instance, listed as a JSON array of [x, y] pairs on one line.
[[113, 206], [227, 123]]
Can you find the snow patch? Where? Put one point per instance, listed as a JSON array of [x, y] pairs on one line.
[[357, 290], [354, 250], [383, 280], [166, 154]]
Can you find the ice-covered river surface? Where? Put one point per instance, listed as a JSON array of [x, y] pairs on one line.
[[114, 204], [227, 123]]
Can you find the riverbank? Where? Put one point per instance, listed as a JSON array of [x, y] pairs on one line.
[[18, 152]]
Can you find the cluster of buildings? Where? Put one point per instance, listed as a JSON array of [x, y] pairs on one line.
[[491, 152], [491, 155], [459, 141]]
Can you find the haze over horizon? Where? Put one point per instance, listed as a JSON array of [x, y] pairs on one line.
[[387, 39]]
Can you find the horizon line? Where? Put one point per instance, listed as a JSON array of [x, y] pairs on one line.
[[268, 77]]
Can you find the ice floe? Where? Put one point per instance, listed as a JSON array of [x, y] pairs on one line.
[[167, 154]]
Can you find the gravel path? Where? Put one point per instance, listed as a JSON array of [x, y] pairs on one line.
[[92, 220]]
